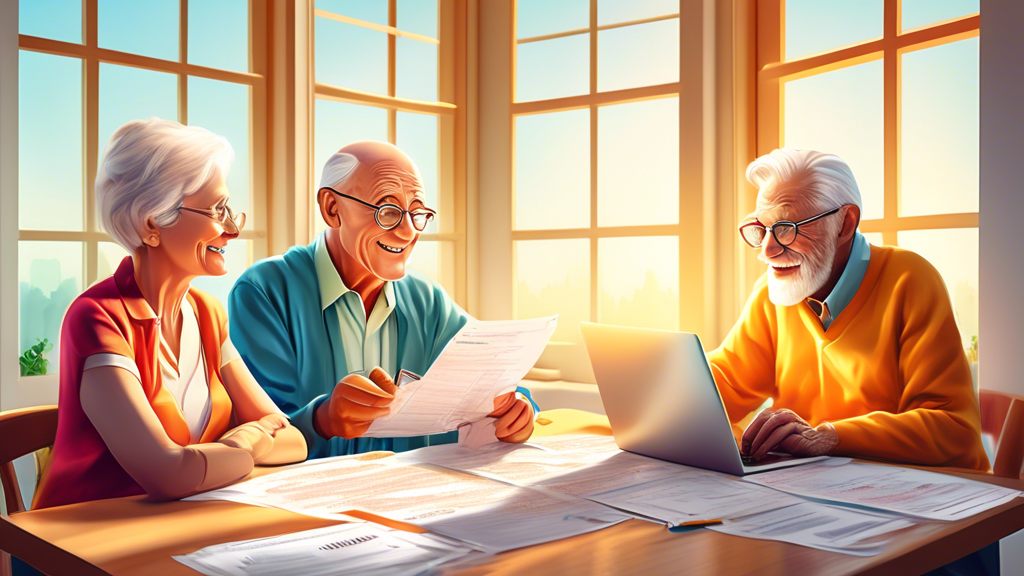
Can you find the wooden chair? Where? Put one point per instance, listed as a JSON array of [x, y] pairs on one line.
[[1002, 417], [24, 431]]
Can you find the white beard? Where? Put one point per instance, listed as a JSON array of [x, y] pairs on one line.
[[814, 271]]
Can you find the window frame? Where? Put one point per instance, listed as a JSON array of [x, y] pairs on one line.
[[32, 390], [773, 72], [450, 109]]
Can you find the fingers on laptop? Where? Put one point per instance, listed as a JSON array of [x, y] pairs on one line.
[[768, 430]]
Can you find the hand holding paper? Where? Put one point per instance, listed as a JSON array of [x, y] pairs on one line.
[[515, 419], [354, 404]]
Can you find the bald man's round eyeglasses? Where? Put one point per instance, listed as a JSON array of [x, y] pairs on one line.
[[784, 231], [389, 216]]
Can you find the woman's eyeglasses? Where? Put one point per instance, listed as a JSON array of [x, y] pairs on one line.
[[389, 216], [784, 231], [222, 214]]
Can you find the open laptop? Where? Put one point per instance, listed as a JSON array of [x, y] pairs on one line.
[[662, 402]]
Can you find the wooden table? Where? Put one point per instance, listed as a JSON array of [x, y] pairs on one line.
[[131, 536]]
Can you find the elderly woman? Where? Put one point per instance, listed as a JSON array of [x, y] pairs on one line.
[[153, 397]]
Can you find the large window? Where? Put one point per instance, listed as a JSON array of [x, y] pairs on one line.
[[86, 68], [385, 70], [598, 224], [890, 86]]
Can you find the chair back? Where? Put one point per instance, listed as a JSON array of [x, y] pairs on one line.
[[24, 431], [1002, 417]]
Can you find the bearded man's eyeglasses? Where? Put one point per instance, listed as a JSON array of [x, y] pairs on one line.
[[389, 216], [784, 231]]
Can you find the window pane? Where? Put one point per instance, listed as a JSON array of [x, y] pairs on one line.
[[840, 113], [918, 13], [417, 137], [638, 163], [874, 238], [553, 277], [641, 55], [54, 19], [415, 70], [50, 192], [552, 185], [541, 17], [49, 278], [553, 68], [120, 101], [237, 257], [639, 282], [338, 124], [939, 140], [614, 11], [418, 17], [954, 253], [351, 56], [148, 28], [375, 11], [223, 108], [437, 260], [109, 258], [818, 25], [218, 34]]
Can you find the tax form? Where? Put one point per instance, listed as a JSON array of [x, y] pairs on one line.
[[348, 549], [482, 361], [903, 490]]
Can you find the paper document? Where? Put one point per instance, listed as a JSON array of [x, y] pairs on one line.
[[492, 516], [903, 490], [482, 361], [694, 495], [357, 549], [818, 526]]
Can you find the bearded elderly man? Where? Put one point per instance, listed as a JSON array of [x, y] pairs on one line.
[[856, 345], [306, 323]]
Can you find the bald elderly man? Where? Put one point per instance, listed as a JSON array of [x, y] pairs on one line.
[[325, 326], [856, 344]]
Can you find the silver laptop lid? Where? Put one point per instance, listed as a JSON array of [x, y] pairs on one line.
[[660, 396]]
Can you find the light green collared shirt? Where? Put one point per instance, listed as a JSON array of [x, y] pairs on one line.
[[366, 341], [848, 284]]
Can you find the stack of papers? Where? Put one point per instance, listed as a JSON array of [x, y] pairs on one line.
[[902, 490], [357, 549], [493, 517], [481, 362]]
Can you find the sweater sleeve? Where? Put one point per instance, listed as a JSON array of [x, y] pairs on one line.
[[744, 365], [939, 420]]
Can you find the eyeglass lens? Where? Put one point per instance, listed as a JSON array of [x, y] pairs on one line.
[[391, 216], [785, 234]]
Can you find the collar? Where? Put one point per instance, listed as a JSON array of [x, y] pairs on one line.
[[849, 281], [131, 295], [331, 285]]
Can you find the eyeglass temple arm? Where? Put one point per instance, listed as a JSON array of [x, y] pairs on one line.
[[822, 215], [363, 202]]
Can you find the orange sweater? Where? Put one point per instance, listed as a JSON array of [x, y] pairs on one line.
[[890, 373]]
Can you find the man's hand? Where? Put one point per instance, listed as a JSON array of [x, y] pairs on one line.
[[784, 431], [515, 419], [355, 403]]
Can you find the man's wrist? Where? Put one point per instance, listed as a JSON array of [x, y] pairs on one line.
[[829, 435], [322, 419]]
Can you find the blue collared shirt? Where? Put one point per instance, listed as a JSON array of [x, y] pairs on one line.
[[848, 284]]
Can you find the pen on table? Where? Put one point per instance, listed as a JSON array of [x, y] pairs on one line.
[[707, 522]]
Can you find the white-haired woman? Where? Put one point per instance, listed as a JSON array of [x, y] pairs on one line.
[[153, 397]]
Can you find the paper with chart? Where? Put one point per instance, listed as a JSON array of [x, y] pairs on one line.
[[903, 490], [492, 516], [356, 549], [482, 361], [819, 526]]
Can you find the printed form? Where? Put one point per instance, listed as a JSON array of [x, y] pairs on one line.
[[903, 490], [481, 362]]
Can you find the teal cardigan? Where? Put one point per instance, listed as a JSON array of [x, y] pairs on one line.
[[287, 342]]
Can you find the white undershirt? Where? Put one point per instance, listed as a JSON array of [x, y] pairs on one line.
[[188, 385]]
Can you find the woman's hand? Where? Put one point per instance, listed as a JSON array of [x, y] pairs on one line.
[[251, 437], [515, 419], [273, 422]]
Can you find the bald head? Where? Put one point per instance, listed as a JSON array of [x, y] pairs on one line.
[[370, 160]]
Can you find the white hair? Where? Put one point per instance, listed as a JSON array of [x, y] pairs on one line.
[[338, 169], [824, 180], [147, 170]]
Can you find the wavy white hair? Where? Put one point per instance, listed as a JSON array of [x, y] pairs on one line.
[[148, 168], [824, 181]]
